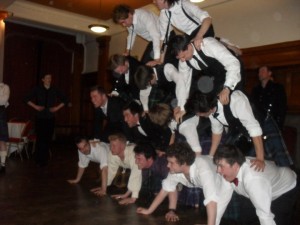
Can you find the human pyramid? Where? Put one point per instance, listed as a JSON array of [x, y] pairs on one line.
[[176, 118]]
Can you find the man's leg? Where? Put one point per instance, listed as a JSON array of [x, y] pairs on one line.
[[3, 155]]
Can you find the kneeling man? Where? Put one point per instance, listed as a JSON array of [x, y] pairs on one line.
[[272, 192]]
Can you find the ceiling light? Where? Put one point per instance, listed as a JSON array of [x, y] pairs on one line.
[[197, 1], [3, 15], [98, 28]]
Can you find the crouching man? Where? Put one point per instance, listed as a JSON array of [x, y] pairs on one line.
[[96, 152], [191, 171], [272, 192], [122, 155]]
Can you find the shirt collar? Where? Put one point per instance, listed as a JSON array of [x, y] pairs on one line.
[[104, 108]]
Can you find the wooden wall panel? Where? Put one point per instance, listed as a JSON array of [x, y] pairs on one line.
[[284, 60], [87, 109], [30, 53]]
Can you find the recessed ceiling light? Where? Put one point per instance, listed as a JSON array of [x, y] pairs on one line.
[[197, 1], [98, 28]]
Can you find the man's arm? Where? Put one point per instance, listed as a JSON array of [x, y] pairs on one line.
[[188, 129], [156, 202], [104, 173], [153, 29], [4, 94], [124, 198], [258, 163], [130, 40], [171, 215], [57, 107], [211, 209], [206, 23], [215, 49], [101, 191], [80, 172], [242, 110], [35, 106], [216, 139], [204, 18]]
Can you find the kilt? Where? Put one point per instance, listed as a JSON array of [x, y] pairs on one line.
[[3, 125]]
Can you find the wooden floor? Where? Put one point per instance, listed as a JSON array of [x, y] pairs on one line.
[[30, 195]]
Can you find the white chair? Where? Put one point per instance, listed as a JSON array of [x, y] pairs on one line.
[[18, 132]]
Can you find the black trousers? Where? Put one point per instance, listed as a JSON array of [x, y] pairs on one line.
[[44, 134], [148, 53], [283, 209]]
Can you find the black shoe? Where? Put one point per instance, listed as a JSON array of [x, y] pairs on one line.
[[42, 164], [2, 169]]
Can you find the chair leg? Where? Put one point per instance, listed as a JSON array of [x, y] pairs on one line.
[[33, 147], [26, 150], [19, 151]]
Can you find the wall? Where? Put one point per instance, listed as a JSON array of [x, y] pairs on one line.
[[257, 22], [118, 45], [30, 53]]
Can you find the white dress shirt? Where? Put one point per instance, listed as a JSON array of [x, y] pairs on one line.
[[182, 81], [260, 187], [4, 94], [146, 25], [144, 97], [202, 175], [135, 178], [179, 19], [241, 109], [98, 154], [104, 108], [188, 129]]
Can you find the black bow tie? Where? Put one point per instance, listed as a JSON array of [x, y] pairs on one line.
[[215, 115]]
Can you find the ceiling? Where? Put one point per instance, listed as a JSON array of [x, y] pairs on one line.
[[76, 15], [101, 9]]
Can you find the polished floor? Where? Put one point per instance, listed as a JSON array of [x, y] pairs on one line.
[[30, 195]]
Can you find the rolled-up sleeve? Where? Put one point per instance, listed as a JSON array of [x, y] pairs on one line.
[[169, 184], [242, 110], [113, 166], [215, 49], [83, 160], [189, 130], [135, 178]]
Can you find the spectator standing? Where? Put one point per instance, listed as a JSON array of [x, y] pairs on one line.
[[46, 100], [4, 96], [269, 97]]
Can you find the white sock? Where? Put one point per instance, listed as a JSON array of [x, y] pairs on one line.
[[3, 155]]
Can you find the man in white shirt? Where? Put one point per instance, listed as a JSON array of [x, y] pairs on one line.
[[186, 17], [273, 192], [143, 23], [213, 60], [162, 115], [191, 171], [96, 152], [122, 155], [206, 105], [4, 96]]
